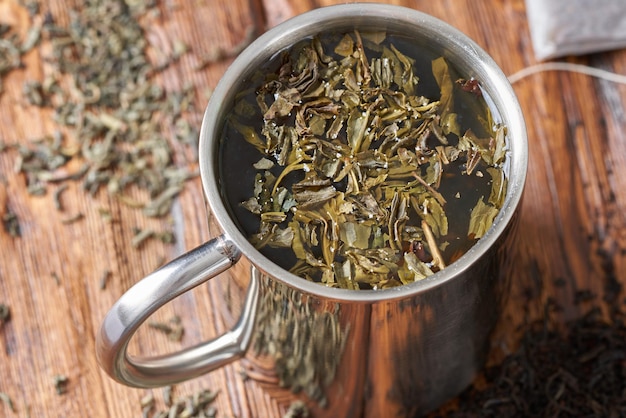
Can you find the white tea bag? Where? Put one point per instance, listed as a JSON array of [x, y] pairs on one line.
[[576, 27]]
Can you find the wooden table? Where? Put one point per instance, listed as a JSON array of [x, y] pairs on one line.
[[572, 232]]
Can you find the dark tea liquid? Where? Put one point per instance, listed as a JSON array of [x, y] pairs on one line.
[[460, 190]]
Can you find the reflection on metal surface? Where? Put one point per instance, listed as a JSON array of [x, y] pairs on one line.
[[398, 358], [305, 341]]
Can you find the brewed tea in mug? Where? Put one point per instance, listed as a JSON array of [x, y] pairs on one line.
[[400, 344]]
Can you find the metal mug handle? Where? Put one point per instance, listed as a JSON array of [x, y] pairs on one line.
[[151, 293]]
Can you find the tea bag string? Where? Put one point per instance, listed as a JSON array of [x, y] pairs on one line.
[[569, 67]]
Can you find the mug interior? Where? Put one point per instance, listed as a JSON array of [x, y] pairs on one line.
[[427, 32]]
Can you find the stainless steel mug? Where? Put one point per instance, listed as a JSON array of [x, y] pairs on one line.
[[371, 353]]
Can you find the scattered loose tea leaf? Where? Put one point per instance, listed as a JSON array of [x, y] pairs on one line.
[[5, 313], [147, 404], [105, 214], [60, 384], [173, 328], [141, 235], [32, 38], [56, 278], [73, 218], [6, 399], [104, 279], [57, 197], [576, 368], [10, 53], [11, 223], [297, 409], [167, 237], [167, 395], [196, 405], [115, 116], [576, 371]]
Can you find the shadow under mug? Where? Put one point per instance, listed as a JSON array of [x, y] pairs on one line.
[[373, 353]]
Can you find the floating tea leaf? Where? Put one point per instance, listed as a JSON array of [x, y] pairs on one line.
[[358, 147], [442, 75], [481, 219]]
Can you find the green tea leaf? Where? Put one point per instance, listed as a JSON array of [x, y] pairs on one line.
[[407, 80], [281, 238], [343, 275], [432, 212], [355, 235], [263, 164], [249, 134], [499, 184], [442, 75], [345, 47], [413, 269], [308, 198], [284, 103], [252, 205], [375, 37], [481, 219], [499, 151], [357, 124], [450, 124]]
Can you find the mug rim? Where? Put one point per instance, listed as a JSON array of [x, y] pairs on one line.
[[457, 45]]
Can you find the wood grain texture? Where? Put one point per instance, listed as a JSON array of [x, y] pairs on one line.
[[572, 234]]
